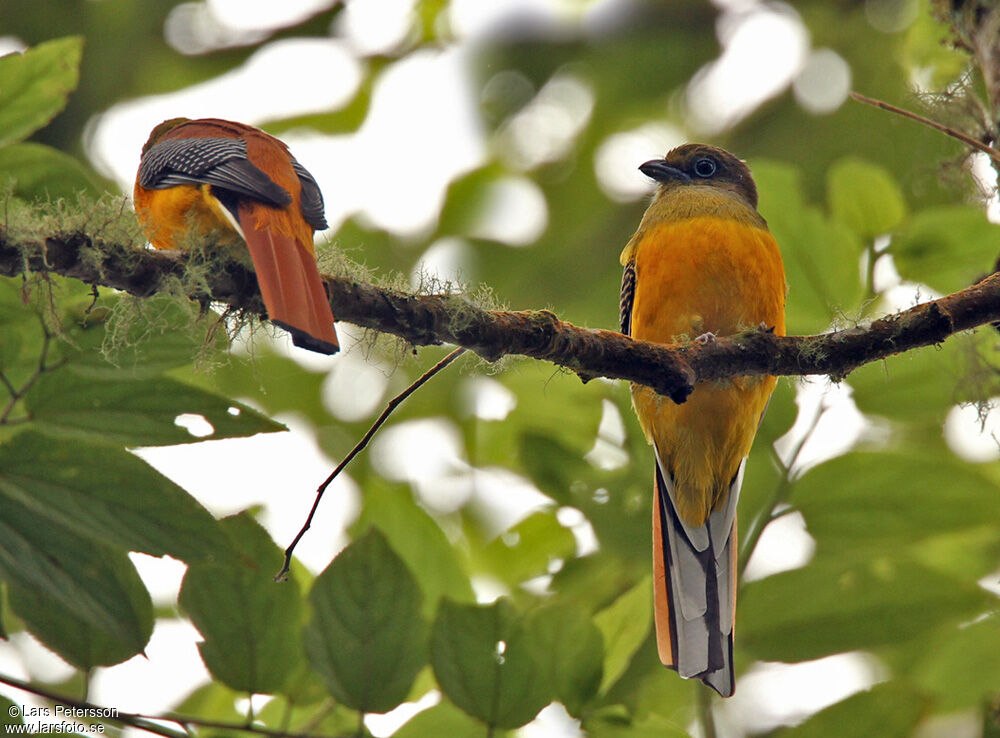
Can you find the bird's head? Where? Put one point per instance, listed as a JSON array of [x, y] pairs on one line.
[[157, 133], [704, 165]]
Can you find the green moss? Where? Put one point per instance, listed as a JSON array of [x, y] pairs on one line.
[[979, 382], [110, 233], [812, 351]]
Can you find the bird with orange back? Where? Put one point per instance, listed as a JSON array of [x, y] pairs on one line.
[[702, 263], [236, 184]]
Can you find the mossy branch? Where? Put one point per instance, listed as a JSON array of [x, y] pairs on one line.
[[434, 319]]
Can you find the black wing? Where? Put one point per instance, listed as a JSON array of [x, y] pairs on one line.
[[627, 296], [312, 198], [219, 162]]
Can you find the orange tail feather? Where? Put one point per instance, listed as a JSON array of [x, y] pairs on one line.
[[291, 286], [661, 596]]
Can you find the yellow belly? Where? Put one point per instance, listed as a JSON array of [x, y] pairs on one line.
[[172, 216], [705, 274]]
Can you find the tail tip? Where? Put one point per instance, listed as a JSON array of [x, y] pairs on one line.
[[721, 681], [309, 342]]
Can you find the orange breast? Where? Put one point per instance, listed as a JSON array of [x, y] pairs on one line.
[[694, 276]]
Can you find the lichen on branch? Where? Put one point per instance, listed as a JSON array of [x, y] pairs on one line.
[[106, 258]]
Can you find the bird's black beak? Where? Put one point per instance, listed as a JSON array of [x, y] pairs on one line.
[[662, 172]]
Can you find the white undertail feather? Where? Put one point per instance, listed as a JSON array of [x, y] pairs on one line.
[[224, 212], [702, 600]]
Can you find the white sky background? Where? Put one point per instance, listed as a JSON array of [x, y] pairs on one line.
[[424, 106]]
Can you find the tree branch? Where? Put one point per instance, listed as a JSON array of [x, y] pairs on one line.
[[947, 130], [149, 723], [671, 370]]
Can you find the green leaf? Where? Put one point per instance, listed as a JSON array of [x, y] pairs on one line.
[[610, 725], [762, 475], [4, 635], [467, 198], [444, 719], [781, 412], [106, 493], [851, 605], [295, 717], [136, 413], [526, 550], [256, 547], [552, 465], [35, 85], [857, 502], [965, 554], [484, 662], [919, 386], [928, 46], [616, 501], [10, 713], [366, 637], [345, 120], [418, 540], [960, 665], [821, 255], [75, 640], [865, 197], [95, 582], [660, 692], [213, 701], [624, 625], [249, 622], [43, 173], [276, 384], [889, 710], [592, 581], [11, 343], [547, 406], [160, 334], [947, 248], [991, 721], [570, 650]]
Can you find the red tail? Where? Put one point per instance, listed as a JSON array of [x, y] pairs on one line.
[[291, 286]]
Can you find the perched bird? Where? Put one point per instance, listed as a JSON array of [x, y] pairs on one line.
[[701, 264], [234, 183]]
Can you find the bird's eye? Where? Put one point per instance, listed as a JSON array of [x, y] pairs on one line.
[[705, 167]]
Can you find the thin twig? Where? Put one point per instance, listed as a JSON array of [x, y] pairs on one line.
[[42, 367], [991, 152], [147, 722], [320, 715], [393, 404], [780, 495], [705, 716], [11, 389]]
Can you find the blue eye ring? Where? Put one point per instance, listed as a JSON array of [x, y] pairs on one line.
[[705, 167]]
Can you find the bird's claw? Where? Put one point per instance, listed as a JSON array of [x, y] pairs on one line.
[[705, 338], [176, 255], [765, 327]]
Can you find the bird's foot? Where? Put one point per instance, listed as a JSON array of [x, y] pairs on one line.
[[765, 327], [705, 338], [172, 254]]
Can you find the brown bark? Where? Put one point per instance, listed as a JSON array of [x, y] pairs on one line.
[[539, 334]]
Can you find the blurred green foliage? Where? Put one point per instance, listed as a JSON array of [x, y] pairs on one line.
[[905, 529]]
